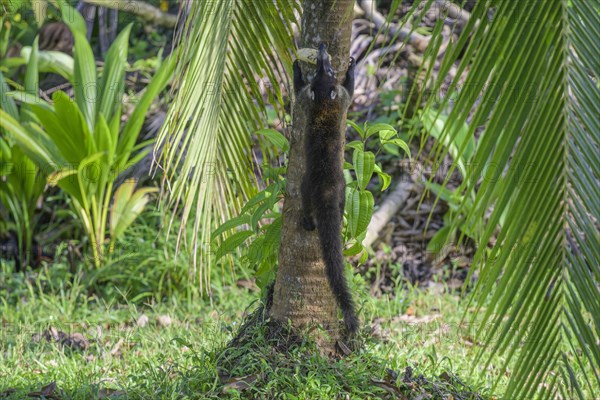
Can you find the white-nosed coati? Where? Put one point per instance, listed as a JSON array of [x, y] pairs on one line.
[[323, 186]]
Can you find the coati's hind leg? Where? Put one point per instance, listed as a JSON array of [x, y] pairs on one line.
[[308, 218], [298, 81], [349, 79]]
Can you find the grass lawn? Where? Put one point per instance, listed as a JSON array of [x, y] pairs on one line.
[[86, 347]]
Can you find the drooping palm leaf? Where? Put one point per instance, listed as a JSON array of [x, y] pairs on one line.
[[205, 140], [533, 84]]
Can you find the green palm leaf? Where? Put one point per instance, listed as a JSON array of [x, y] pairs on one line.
[[205, 140], [537, 167]]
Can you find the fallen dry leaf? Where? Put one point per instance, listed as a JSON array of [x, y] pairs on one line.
[[107, 393], [239, 384], [116, 350], [7, 392], [75, 341], [142, 321], [46, 392], [389, 386], [344, 348], [249, 284], [164, 320], [417, 320]]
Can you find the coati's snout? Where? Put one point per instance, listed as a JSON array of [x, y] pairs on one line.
[[323, 62], [324, 85]]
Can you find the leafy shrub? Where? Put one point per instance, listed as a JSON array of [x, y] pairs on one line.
[[20, 183], [80, 145], [259, 222]]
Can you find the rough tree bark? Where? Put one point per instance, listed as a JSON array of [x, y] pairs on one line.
[[302, 294]]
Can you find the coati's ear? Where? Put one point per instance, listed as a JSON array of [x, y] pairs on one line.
[[311, 93], [333, 94]]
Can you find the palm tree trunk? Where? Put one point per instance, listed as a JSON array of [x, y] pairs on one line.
[[302, 294]]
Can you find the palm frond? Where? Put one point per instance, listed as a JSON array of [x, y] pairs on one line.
[[533, 84], [206, 138]]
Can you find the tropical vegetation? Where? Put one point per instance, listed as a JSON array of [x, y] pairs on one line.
[[483, 283]]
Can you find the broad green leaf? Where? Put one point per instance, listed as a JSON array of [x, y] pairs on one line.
[[439, 240], [354, 250], [385, 178], [72, 18], [364, 165], [261, 196], [400, 143], [6, 102], [276, 138], [363, 257], [127, 206], [84, 71], [115, 127], [358, 129], [5, 152], [30, 99], [272, 238], [31, 81], [73, 123], [232, 242], [56, 62], [355, 144], [103, 138], [57, 176], [458, 144], [134, 123], [360, 210], [20, 134], [444, 193], [89, 174], [264, 207], [243, 219], [113, 76], [384, 130], [31, 74], [386, 135]]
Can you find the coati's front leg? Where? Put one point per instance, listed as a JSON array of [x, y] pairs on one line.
[[308, 220], [349, 79], [298, 81]]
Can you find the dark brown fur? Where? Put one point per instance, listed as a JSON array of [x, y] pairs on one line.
[[323, 186]]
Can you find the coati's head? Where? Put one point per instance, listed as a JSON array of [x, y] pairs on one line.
[[325, 95], [324, 88]]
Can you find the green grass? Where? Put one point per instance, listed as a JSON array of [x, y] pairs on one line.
[[415, 329]]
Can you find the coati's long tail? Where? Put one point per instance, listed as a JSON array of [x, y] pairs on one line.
[[329, 228]]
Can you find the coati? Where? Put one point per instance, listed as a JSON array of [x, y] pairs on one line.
[[323, 185]]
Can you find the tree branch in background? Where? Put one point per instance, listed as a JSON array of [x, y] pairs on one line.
[[453, 12], [143, 10], [415, 39], [388, 209]]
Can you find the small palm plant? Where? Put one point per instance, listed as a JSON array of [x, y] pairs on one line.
[[80, 144], [20, 183]]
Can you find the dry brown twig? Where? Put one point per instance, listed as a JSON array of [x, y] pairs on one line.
[[142, 9], [404, 33]]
